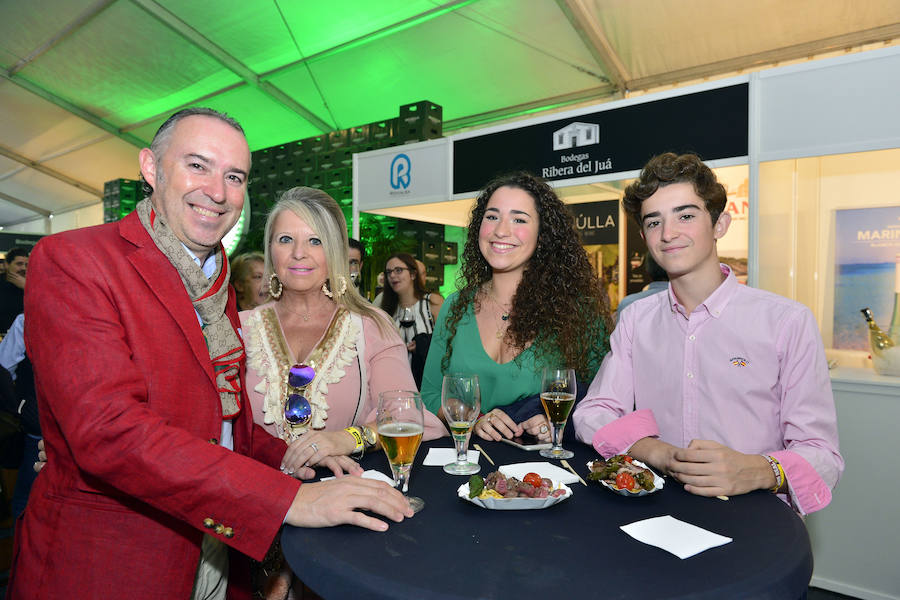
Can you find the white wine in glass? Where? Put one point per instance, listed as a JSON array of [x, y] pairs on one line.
[[558, 388], [400, 422], [461, 403]]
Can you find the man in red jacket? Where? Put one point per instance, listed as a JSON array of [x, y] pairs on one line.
[[134, 337]]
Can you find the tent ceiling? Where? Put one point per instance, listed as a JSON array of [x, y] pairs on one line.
[[86, 83]]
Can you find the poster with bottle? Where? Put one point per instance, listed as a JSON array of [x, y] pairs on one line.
[[867, 272]]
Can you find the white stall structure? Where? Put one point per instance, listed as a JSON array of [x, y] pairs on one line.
[[821, 138]]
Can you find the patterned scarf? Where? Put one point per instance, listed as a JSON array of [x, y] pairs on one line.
[[209, 297]]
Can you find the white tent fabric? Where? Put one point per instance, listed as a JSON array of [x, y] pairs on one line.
[[85, 83]]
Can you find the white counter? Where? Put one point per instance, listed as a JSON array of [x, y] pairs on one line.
[[856, 539]]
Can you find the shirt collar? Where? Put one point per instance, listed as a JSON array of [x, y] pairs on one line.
[[716, 302], [208, 266]]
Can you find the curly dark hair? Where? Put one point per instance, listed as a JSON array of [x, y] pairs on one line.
[[666, 169], [560, 305], [389, 298]]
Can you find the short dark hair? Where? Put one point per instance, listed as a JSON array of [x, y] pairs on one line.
[[666, 169], [14, 253], [164, 133], [353, 243]]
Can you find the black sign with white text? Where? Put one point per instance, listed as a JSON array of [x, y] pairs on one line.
[[712, 124], [597, 222]]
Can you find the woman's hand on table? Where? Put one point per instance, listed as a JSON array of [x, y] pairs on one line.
[[336, 502], [539, 427], [496, 425], [328, 449]]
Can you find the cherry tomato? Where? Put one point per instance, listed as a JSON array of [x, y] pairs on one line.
[[533, 478], [624, 481], [628, 459]]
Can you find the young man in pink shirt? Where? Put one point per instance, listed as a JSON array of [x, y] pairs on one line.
[[721, 386]]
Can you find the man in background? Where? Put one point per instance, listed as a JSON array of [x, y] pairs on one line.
[[357, 255], [134, 338], [12, 287]]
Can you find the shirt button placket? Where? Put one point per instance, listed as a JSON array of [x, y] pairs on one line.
[[690, 385]]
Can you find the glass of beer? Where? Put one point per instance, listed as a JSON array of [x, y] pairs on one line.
[[461, 403], [400, 423], [558, 388]]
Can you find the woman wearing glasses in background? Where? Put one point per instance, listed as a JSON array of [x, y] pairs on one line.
[[528, 298], [415, 310], [319, 355]]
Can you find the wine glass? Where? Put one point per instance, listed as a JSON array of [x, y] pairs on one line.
[[461, 402], [400, 423], [558, 397], [407, 317]]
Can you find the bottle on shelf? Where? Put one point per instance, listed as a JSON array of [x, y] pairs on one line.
[[879, 340], [894, 329], [885, 353]]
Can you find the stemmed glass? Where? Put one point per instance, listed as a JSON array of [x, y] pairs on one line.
[[461, 402], [400, 423], [558, 397], [407, 317]]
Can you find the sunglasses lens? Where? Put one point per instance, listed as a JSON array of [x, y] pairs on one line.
[[300, 375], [297, 411]]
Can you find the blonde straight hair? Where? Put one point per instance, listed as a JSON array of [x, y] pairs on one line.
[[324, 216]]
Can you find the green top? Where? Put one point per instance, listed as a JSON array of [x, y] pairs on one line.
[[500, 384]]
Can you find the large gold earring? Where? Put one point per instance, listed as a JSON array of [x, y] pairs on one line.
[[273, 280], [343, 289], [326, 291]]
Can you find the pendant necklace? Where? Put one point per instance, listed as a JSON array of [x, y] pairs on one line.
[[305, 317], [504, 315]]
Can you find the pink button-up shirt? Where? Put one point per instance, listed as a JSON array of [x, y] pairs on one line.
[[746, 369]]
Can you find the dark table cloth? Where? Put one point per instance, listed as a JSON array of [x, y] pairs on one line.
[[454, 549]]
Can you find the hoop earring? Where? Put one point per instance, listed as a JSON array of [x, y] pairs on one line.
[[343, 289], [326, 291], [272, 281]]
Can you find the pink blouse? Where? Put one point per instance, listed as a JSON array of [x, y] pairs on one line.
[[387, 368]]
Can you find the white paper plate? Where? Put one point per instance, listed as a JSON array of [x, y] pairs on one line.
[[658, 482], [513, 503]]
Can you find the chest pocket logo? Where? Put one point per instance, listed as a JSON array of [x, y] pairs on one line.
[[739, 361]]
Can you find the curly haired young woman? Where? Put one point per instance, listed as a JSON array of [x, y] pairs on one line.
[[528, 298]]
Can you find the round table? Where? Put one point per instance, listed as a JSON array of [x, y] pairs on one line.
[[455, 550]]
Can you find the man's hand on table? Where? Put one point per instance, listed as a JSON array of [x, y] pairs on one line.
[[335, 502], [707, 468]]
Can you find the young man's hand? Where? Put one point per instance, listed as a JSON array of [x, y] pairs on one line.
[[708, 468]]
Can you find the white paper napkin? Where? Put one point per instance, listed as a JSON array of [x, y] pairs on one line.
[[544, 469], [370, 474], [438, 457], [681, 539]]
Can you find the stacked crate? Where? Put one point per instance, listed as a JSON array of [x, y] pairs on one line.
[[120, 196], [325, 161]]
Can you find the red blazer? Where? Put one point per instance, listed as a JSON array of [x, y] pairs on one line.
[[131, 420]]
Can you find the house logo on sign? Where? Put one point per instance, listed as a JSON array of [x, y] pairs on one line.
[[576, 134], [400, 172]]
